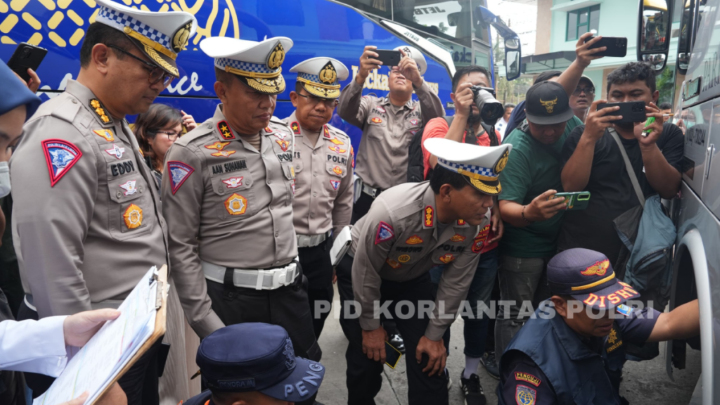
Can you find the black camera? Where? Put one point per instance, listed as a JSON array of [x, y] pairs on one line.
[[490, 109]]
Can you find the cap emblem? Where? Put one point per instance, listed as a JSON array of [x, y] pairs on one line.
[[328, 74], [597, 269], [500, 165], [181, 36], [289, 355], [276, 57], [549, 105]]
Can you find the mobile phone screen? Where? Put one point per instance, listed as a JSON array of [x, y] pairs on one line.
[[392, 355]]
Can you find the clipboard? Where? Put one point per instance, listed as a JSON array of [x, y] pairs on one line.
[[341, 245], [118, 343], [159, 332]]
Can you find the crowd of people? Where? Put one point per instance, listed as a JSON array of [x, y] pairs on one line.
[[244, 208]]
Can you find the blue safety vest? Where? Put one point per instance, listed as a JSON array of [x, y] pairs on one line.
[[577, 374]]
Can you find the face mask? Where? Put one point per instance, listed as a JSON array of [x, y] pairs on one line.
[[4, 179]]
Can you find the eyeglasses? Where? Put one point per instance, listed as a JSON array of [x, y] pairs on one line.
[[587, 90], [157, 74], [172, 135], [315, 100]]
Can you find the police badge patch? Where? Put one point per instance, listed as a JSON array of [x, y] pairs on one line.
[[524, 395], [384, 233], [179, 172], [335, 184], [60, 156]]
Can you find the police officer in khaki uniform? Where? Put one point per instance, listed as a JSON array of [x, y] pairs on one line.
[[323, 176], [86, 221], [388, 123], [228, 188], [409, 229]]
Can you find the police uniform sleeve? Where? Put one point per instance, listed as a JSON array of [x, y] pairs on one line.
[[452, 290], [637, 326], [352, 106], [182, 209], [522, 382], [342, 208], [33, 346], [370, 256], [430, 104], [54, 191]]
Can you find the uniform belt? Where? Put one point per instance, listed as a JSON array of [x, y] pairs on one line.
[[371, 191], [267, 279], [304, 241]]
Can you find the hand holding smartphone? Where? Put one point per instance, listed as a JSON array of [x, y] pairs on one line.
[[576, 200], [26, 56], [632, 111], [616, 46], [388, 57]]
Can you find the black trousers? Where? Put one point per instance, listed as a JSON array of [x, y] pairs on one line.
[[364, 377], [140, 383], [361, 207], [287, 307], [317, 267]]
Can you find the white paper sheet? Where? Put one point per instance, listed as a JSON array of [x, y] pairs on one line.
[[101, 359]]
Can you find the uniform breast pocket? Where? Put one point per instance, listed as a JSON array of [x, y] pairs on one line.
[[377, 125], [336, 172], [234, 196], [131, 211]]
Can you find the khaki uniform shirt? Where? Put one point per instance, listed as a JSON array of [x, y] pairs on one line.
[[382, 157], [323, 180], [230, 204], [86, 218], [398, 240]]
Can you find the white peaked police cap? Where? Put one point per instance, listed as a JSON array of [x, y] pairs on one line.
[[415, 54], [321, 76]]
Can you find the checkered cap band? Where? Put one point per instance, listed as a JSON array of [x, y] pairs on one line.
[[482, 171], [313, 78], [244, 66], [127, 21]]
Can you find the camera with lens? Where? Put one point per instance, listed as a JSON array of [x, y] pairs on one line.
[[490, 109]]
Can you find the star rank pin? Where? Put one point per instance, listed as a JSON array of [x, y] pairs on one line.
[[429, 216], [234, 182], [115, 151], [129, 187], [236, 204], [60, 156], [384, 233], [295, 127], [99, 110], [133, 216], [225, 130], [179, 172], [326, 131]]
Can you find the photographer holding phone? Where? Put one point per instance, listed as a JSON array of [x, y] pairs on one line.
[[593, 162]]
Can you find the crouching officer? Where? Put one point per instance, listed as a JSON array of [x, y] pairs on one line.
[[409, 229], [573, 349], [323, 176], [228, 188], [238, 371]]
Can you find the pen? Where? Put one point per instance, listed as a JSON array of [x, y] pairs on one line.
[[649, 122]]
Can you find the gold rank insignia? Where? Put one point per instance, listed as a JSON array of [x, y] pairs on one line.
[[295, 127], [225, 130], [457, 238], [404, 258], [236, 204], [326, 131], [429, 216], [99, 110], [414, 240], [337, 141], [276, 57], [223, 153], [217, 145], [133, 216], [461, 222], [447, 258], [105, 134]]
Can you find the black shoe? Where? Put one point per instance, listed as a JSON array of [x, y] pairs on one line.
[[472, 390], [488, 361], [397, 341]]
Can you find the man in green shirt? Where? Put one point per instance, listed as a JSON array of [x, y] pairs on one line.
[[531, 213]]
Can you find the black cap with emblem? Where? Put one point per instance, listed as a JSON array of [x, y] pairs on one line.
[[547, 103]]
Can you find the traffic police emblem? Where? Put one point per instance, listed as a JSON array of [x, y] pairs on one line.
[[384, 233], [179, 172], [335, 184], [60, 156]]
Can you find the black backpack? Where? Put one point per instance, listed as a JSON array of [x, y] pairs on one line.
[[416, 168]]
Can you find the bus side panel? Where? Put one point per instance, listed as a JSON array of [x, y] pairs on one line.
[[317, 27]]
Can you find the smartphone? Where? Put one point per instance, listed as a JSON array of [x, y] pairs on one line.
[[392, 355], [26, 56], [631, 111], [576, 200], [616, 46], [388, 57]]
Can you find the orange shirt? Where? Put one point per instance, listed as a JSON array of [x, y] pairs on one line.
[[438, 128]]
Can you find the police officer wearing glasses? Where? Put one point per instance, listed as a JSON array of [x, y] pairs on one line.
[[86, 221]]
